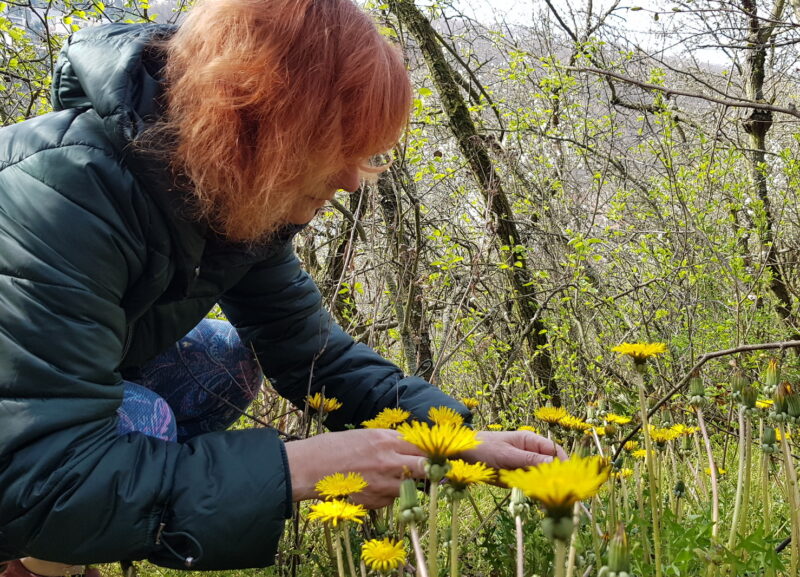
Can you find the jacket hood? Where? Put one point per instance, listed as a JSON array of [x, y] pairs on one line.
[[109, 68]]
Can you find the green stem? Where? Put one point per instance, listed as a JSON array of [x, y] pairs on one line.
[[642, 514], [573, 539], [748, 477], [520, 547], [737, 503], [339, 560], [454, 538], [422, 567], [433, 535], [328, 543], [651, 473], [766, 497], [712, 567], [794, 499], [349, 550], [559, 558]]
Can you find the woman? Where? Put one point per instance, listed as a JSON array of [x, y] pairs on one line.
[[171, 176]]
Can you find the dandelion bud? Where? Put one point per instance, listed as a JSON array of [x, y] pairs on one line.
[[749, 396], [584, 447], [680, 488], [769, 437], [686, 445], [436, 472], [558, 528], [738, 382], [771, 376], [591, 415], [793, 404], [619, 558], [611, 429], [780, 406], [519, 505], [697, 391], [410, 511]]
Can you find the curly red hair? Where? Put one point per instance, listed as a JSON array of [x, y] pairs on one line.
[[269, 98]]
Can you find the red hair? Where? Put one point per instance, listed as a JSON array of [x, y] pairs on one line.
[[268, 98]]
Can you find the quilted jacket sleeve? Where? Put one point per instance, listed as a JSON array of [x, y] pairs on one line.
[[71, 488], [278, 309]]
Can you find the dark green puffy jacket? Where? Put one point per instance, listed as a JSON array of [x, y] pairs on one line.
[[99, 272]]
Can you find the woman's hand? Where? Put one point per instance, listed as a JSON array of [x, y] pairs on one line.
[[378, 455], [513, 449]]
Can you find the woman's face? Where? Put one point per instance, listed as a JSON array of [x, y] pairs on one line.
[[310, 201]]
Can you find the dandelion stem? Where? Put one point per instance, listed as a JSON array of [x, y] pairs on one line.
[[737, 504], [328, 543], [339, 559], [642, 515], [794, 499], [422, 568], [748, 476], [712, 567], [454, 538], [520, 547], [348, 550], [713, 470], [433, 535], [766, 496], [573, 540], [559, 557], [597, 442], [651, 473]]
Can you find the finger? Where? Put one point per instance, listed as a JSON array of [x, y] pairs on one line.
[[542, 445], [411, 466]]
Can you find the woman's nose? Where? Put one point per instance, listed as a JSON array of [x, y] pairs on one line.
[[348, 179]]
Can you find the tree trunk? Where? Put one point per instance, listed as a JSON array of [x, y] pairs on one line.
[[474, 149], [405, 249], [757, 125]]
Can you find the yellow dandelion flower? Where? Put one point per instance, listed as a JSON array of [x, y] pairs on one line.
[[550, 415], [639, 453], [470, 402], [661, 436], [682, 430], [494, 427], [462, 474], [439, 441], [617, 419], [623, 473], [323, 404], [340, 485], [558, 485], [599, 431], [640, 352], [530, 428], [720, 471], [631, 446], [383, 555], [387, 419], [764, 403], [444, 416], [779, 437], [334, 512], [573, 423]]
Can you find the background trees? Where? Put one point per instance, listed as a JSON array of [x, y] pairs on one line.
[[567, 182]]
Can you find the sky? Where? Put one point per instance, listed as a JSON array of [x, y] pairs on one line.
[[639, 25]]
